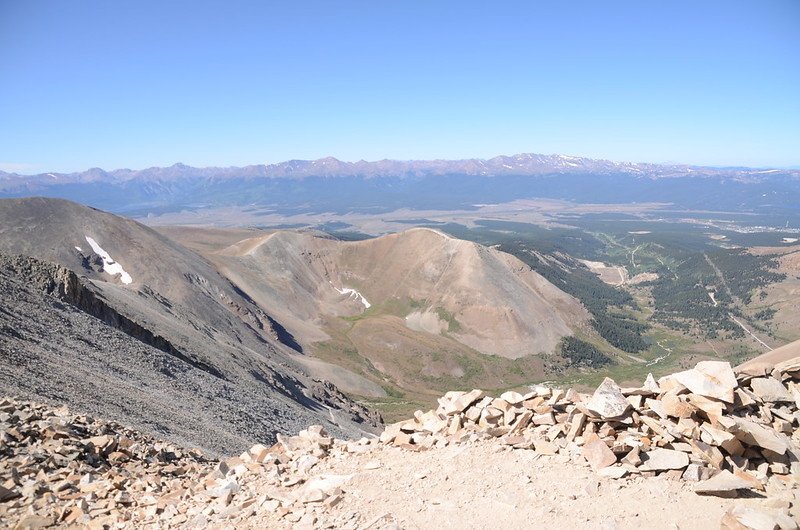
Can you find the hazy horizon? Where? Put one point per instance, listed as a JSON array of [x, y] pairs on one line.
[[278, 162]]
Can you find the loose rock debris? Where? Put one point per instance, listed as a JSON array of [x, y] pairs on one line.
[[731, 434]]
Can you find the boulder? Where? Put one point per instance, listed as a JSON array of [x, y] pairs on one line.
[[651, 385], [695, 473], [457, 402], [746, 517], [7, 494], [675, 406], [723, 482], [714, 379], [751, 433], [608, 401], [514, 398]]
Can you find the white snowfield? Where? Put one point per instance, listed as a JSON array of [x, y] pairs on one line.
[[109, 265], [353, 294]]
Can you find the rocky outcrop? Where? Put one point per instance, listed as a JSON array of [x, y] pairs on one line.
[[53, 349], [67, 286], [62, 469], [65, 469]]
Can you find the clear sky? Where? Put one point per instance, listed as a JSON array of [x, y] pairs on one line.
[[139, 84]]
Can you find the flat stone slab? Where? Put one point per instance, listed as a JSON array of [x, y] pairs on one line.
[[457, 402], [597, 453], [724, 482], [770, 390], [751, 433], [664, 459], [714, 379]]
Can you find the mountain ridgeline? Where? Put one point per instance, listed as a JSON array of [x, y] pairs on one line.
[[253, 332], [105, 314], [330, 185]]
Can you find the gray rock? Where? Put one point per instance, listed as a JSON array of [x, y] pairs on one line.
[[770, 389]]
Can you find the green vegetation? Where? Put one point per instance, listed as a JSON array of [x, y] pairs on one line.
[[744, 272], [621, 331], [683, 294], [581, 353], [765, 314], [572, 277], [453, 326]]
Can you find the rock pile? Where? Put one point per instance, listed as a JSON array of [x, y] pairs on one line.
[[68, 469], [60, 469], [723, 430], [726, 432]]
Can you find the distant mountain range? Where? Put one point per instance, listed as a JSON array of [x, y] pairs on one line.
[[329, 184], [521, 164]]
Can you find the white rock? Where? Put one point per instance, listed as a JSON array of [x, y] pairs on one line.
[[456, 402], [608, 400], [713, 379], [513, 398], [664, 459]]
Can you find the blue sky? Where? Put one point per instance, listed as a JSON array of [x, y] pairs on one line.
[[138, 84]]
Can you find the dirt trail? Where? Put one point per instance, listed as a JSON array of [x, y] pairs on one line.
[[486, 485], [720, 276], [734, 299], [713, 298], [746, 330]]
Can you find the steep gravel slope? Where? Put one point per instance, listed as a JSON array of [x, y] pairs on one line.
[[147, 330]]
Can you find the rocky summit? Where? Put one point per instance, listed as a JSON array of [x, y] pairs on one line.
[[704, 447]]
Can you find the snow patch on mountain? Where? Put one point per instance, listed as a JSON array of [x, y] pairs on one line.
[[353, 295], [109, 265]]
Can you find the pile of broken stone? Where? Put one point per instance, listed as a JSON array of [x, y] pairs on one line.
[[61, 469], [726, 431], [56, 467]]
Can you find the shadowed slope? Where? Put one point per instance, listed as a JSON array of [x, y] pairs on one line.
[[175, 301]]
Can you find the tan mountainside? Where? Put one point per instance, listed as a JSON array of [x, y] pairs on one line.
[[499, 305], [104, 313], [414, 305], [784, 296]]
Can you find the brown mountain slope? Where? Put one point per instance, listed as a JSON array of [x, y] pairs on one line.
[[417, 309], [771, 358], [166, 296], [485, 299]]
